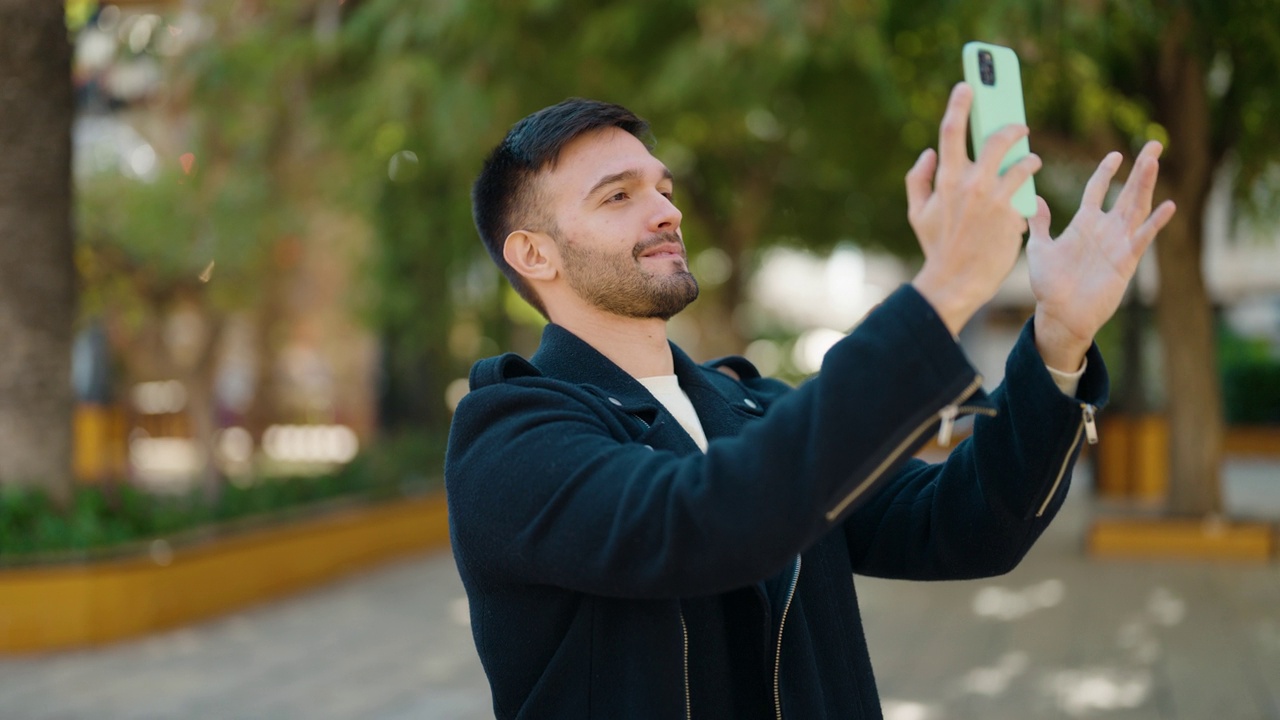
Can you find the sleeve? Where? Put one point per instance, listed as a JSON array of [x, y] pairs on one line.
[[1068, 382], [978, 513], [541, 489]]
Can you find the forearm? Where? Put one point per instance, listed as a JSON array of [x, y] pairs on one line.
[[977, 513]]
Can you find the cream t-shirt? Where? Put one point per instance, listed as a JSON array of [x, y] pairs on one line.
[[666, 388]]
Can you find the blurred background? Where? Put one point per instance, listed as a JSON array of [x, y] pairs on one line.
[[238, 272]]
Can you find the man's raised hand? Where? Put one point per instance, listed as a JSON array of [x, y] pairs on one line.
[[1079, 279], [963, 216]]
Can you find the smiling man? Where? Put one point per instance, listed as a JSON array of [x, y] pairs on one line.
[[642, 536]]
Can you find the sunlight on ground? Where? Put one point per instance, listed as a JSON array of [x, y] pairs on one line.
[[908, 710], [1166, 608], [1083, 691], [994, 680], [1004, 604], [1120, 682]]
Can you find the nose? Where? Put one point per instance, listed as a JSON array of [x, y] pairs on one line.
[[666, 216]]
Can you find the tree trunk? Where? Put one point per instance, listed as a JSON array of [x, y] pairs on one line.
[[738, 231], [721, 333], [197, 373], [1132, 397], [1194, 410], [37, 293], [1184, 309]]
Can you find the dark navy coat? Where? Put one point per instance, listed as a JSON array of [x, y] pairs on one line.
[[615, 571]]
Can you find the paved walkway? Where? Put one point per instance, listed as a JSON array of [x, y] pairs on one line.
[[1060, 637]]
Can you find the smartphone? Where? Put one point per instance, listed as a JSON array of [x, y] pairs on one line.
[[994, 74]]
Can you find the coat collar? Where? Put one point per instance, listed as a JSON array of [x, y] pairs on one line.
[[564, 356]]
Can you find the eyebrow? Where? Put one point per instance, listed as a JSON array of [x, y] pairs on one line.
[[629, 174]]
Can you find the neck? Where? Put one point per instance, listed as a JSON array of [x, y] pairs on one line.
[[637, 345]]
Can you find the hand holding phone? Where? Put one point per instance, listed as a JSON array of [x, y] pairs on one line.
[[994, 74], [963, 215]]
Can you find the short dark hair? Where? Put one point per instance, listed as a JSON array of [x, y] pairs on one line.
[[505, 197]]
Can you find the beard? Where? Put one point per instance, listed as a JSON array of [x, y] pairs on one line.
[[622, 286]]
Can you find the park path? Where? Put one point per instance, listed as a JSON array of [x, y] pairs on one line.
[[1060, 637]]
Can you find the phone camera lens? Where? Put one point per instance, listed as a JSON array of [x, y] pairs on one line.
[[986, 67]]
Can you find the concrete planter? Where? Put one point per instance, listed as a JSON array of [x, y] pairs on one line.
[[1180, 539], [1133, 454], [1132, 461], [1132, 457], [71, 606]]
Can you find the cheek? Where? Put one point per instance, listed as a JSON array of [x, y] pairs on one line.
[[607, 233]]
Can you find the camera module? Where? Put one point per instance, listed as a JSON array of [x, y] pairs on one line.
[[986, 67]]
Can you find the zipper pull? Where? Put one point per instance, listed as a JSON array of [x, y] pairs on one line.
[[1090, 429], [948, 415]]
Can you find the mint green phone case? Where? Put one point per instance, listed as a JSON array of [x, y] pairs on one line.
[[997, 102]]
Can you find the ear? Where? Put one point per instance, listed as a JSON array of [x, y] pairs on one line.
[[532, 254]]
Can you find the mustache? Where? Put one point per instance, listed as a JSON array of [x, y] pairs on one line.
[[661, 238]]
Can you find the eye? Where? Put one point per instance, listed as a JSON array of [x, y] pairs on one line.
[[617, 197], [669, 194]]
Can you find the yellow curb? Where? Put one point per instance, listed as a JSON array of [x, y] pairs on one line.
[[1176, 539], [1256, 441], [64, 607]]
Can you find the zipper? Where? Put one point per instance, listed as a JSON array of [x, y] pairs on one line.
[[951, 413], [688, 700], [1089, 429], [947, 414], [777, 661]]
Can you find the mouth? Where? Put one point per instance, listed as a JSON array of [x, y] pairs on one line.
[[665, 250]]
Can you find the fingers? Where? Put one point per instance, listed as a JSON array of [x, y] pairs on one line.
[[1018, 173], [1143, 236], [1096, 189], [1134, 202], [955, 122], [997, 146], [1040, 221], [920, 182]]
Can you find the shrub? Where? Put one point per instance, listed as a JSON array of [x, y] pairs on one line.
[[118, 517]]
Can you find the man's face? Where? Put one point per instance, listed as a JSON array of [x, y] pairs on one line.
[[616, 227]]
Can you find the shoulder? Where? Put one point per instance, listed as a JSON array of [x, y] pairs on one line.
[[733, 374], [509, 395], [498, 370], [511, 379]]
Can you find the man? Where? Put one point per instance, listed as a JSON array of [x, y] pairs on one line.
[[644, 537]]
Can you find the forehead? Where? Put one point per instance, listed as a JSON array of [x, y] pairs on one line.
[[595, 155]]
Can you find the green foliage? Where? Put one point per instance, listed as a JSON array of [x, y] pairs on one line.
[[29, 523], [1100, 77], [117, 518], [785, 123], [1251, 393], [1250, 379], [220, 192]]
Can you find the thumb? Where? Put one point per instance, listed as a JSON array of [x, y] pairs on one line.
[[1040, 222]]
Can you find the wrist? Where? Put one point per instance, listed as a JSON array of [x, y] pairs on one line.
[[1060, 348], [953, 307]]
